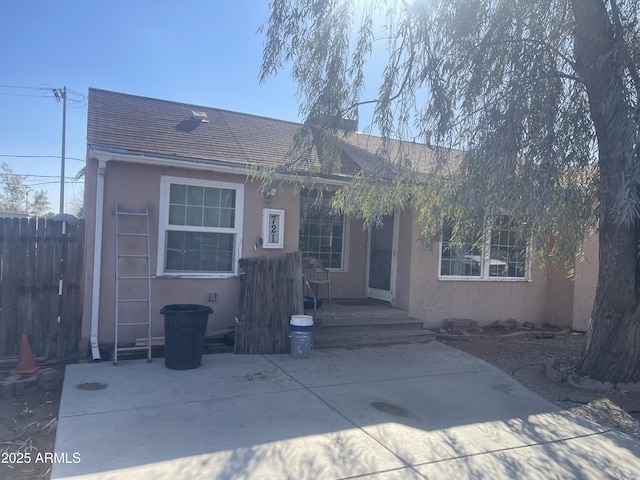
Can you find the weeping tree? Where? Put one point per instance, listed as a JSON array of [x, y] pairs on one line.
[[542, 98]]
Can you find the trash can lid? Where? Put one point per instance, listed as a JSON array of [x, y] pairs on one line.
[[186, 308], [302, 320]]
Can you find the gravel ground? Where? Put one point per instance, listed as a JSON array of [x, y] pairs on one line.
[[525, 354]]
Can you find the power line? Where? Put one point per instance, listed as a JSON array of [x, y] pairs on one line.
[[32, 175], [19, 86], [52, 183], [41, 156], [24, 95]]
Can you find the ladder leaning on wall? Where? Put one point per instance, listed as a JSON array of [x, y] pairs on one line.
[[133, 276]]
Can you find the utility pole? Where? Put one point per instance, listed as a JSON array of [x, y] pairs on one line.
[[62, 93], [57, 92]]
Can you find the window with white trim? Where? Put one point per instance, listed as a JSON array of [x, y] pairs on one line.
[[322, 232], [201, 226], [498, 254]]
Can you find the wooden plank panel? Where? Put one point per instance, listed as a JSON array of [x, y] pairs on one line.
[[270, 292], [27, 307], [8, 327], [72, 291], [29, 272]]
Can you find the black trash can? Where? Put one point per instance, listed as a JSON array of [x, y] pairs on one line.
[[184, 328]]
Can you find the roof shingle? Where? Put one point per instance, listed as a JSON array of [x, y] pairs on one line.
[[142, 125]]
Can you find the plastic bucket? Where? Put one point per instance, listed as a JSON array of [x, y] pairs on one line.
[[301, 333]]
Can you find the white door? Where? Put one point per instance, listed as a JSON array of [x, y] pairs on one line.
[[381, 264]]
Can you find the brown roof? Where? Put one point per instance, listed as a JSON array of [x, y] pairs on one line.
[[141, 125]]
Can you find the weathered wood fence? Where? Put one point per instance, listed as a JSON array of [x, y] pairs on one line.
[[30, 253], [270, 292]]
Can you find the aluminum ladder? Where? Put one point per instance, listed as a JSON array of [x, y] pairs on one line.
[[132, 258]]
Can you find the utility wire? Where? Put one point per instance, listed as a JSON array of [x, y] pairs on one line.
[[41, 156], [24, 95], [19, 86], [25, 175]]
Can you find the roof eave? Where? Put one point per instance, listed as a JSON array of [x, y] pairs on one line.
[[106, 154]]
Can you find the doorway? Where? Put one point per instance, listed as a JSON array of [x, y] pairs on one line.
[[381, 260]]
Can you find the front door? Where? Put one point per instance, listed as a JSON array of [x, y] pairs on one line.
[[382, 260]]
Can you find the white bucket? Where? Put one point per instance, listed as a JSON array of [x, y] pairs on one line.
[[301, 334], [302, 320]]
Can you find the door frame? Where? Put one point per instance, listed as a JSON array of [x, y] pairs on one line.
[[376, 293]]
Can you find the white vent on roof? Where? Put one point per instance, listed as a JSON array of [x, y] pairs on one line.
[[200, 116]]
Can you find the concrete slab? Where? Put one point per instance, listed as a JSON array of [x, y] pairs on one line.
[[336, 366], [289, 434], [600, 456], [138, 384], [385, 413], [433, 418]]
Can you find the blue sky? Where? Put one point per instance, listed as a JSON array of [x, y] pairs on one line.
[[203, 52]]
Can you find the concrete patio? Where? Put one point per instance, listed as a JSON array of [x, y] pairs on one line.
[[390, 412]]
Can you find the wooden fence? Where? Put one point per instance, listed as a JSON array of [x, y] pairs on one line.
[[30, 265], [270, 292]]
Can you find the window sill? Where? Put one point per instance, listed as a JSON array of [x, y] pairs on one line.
[[196, 275], [482, 279]]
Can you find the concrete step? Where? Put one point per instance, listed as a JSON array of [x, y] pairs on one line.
[[365, 338], [367, 324], [357, 314]]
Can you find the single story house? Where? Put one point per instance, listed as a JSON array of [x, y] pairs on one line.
[[187, 167]]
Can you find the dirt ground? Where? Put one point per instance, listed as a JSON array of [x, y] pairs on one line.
[[525, 355], [28, 422], [28, 432]]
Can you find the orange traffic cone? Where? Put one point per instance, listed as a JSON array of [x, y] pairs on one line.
[[26, 365]]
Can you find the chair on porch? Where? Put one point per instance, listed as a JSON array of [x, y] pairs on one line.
[[315, 274]]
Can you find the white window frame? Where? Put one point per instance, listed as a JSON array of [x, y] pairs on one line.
[[346, 232], [163, 216], [486, 265]]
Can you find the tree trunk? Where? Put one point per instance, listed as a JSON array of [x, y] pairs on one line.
[[612, 350]]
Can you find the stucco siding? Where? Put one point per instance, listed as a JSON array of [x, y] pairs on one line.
[[403, 255], [586, 281], [134, 186], [559, 297], [350, 282], [433, 300]]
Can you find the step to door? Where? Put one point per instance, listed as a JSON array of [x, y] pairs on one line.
[[352, 339], [364, 325]]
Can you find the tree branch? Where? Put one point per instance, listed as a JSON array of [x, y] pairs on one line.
[[633, 71]]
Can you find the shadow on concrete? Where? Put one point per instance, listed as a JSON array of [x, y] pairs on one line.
[[409, 411]]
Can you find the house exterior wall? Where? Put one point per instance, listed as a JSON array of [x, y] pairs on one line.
[[90, 187], [586, 281], [133, 186], [406, 244], [350, 282], [433, 300], [559, 296], [549, 297]]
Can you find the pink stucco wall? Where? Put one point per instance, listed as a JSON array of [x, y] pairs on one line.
[[404, 254], [586, 280], [350, 282], [434, 300], [133, 186], [548, 297]]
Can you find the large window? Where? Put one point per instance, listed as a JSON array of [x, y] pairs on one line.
[[322, 233], [201, 225], [498, 254]]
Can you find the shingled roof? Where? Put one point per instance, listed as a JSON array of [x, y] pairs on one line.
[[138, 125]]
